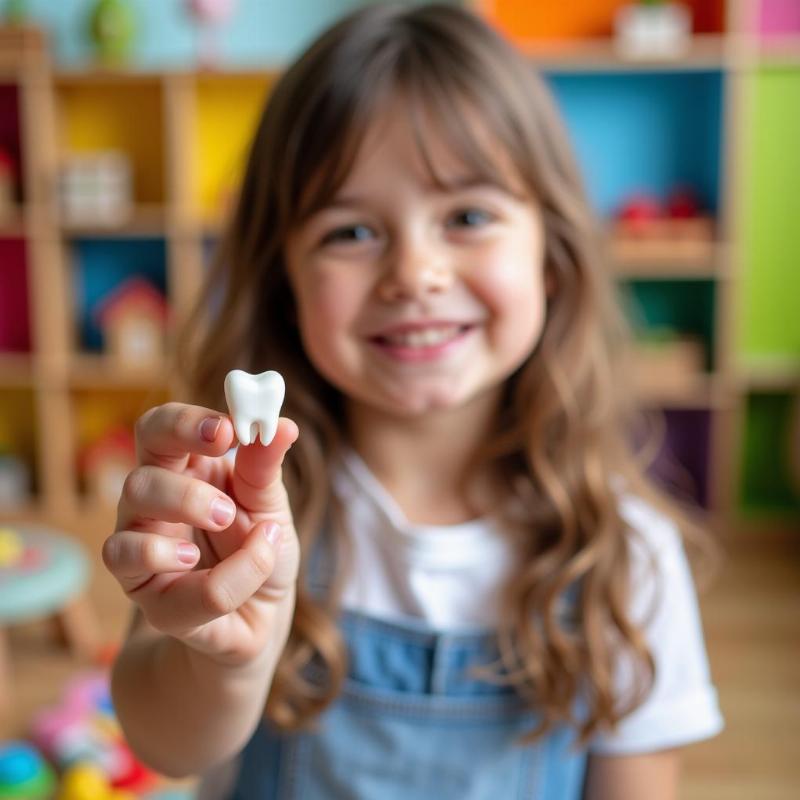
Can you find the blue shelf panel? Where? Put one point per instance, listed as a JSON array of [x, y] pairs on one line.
[[101, 265], [636, 132]]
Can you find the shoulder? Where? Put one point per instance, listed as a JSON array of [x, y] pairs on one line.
[[682, 705], [655, 542]]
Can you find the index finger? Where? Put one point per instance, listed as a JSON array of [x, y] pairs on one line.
[[168, 434]]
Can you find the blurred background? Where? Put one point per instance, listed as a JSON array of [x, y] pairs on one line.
[[123, 129]]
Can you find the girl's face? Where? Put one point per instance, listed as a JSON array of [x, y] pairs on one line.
[[413, 298]]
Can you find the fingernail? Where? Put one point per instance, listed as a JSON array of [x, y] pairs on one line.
[[188, 553], [273, 533], [209, 428], [222, 511]]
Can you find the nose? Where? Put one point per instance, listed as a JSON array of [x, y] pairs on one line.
[[415, 269]]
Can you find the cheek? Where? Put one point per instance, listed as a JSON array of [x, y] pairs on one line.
[[513, 289], [328, 306]]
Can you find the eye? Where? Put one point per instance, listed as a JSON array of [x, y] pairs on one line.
[[470, 218], [348, 234]]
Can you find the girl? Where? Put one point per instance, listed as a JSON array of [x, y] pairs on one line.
[[457, 583]]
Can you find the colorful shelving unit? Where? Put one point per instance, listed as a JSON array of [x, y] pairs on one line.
[[724, 118]]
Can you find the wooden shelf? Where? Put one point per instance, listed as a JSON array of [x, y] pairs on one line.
[[16, 370], [711, 267], [146, 220], [99, 371], [702, 391], [13, 225], [185, 132], [770, 374], [779, 50], [705, 52]]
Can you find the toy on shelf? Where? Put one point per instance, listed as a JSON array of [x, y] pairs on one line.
[[24, 774], [104, 464], [15, 481], [82, 737], [645, 229], [652, 29], [209, 16], [133, 319], [96, 188], [8, 203], [112, 30]]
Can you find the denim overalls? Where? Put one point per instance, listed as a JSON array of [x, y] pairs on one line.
[[411, 724]]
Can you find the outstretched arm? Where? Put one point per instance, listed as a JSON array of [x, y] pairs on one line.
[[650, 775]]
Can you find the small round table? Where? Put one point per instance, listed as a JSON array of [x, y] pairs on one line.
[[44, 573]]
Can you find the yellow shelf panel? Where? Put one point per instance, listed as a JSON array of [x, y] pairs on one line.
[[124, 116], [228, 109]]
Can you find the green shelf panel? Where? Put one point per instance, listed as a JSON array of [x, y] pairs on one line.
[[766, 484], [770, 290]]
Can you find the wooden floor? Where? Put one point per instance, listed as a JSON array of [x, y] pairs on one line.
[[752, 622]]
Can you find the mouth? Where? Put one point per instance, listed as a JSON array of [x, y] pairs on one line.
[[425, 344]]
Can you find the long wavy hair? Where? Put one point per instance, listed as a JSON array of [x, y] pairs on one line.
[[565, 425]]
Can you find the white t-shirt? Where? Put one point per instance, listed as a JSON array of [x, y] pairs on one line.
[[449, 576]]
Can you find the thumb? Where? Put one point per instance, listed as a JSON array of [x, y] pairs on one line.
[[256, 476]]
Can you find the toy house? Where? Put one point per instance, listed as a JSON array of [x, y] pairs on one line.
[[133, 319], [105, 463]]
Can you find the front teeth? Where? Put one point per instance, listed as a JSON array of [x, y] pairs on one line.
[[424, 338], [254, 402]]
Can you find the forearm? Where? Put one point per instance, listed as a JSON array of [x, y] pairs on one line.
[[182, 712]]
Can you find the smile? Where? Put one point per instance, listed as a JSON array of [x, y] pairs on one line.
[[423, 345]]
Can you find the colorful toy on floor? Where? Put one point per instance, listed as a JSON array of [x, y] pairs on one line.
[[24, 774], [83, 731], [11, 547], [85, 781]]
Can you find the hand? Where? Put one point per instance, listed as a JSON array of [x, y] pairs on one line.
[[221, 585]]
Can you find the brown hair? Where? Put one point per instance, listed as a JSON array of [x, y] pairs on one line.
[[564, 427]]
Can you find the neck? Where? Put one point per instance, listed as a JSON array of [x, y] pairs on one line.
[[423, 460]]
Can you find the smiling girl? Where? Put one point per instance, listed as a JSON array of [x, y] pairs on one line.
[[447, 575]]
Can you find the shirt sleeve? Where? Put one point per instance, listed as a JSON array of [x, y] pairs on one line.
[[682, 705]]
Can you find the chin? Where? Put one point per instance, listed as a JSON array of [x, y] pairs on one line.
[[427, 402]]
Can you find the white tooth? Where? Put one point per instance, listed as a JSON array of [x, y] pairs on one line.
[[254, 401]]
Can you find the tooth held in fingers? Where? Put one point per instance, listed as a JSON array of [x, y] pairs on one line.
[[254, 402]]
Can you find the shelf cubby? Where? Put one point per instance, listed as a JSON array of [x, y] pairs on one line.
[[766, 483], [121, 112], [770, 280], [778, 18], [582, 19], [644, 132], [226, 113], [11, 138], [683, 306], [681, 464], [97, 411], [99, 266], [15, 335], [18, 442]]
